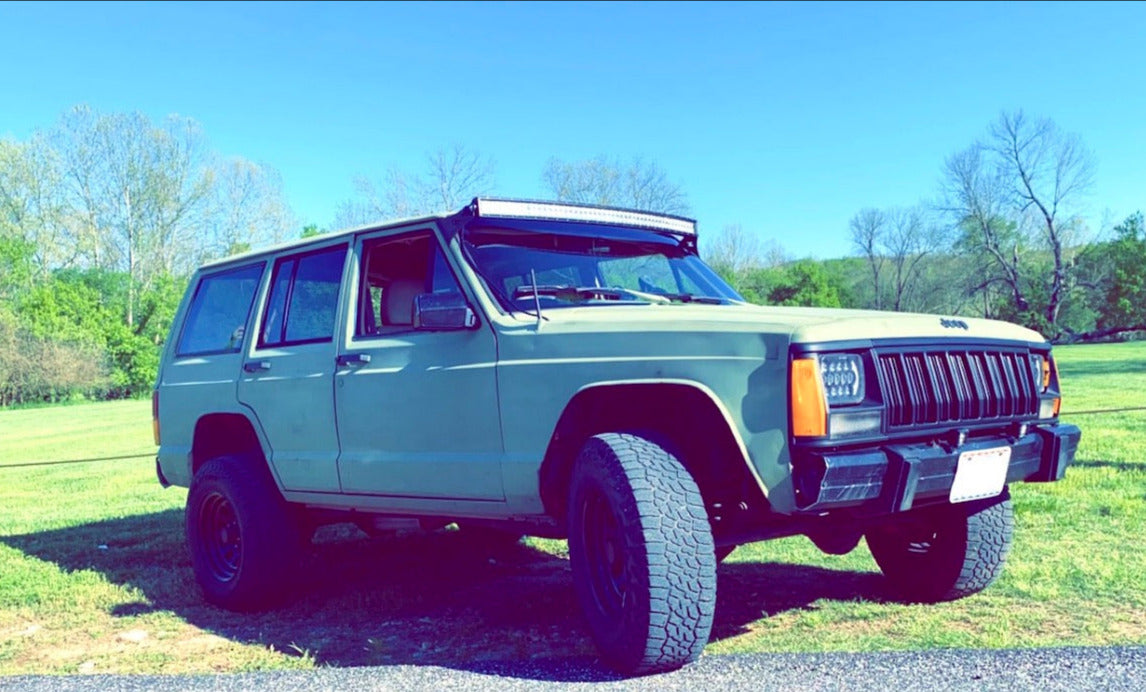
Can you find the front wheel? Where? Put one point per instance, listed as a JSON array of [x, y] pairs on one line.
[[946, 552], [642, 555], [242, 538]]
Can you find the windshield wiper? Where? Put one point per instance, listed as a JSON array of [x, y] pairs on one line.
[[576, 293], [690, 298]]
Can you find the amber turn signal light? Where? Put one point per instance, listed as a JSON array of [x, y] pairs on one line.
[[809, 405], [155, 415]]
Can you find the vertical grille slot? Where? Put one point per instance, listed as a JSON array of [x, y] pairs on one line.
[[936, 387]]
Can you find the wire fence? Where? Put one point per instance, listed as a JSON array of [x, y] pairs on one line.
[[61, 462], [144, 455]]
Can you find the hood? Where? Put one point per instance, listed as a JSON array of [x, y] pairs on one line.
[[802, 325]]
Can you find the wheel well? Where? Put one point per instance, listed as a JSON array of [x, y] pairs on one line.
[[219, 434], [682, 417]]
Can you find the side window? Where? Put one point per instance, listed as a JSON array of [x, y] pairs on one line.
[[303, 302], [395, 270], [219, 311]]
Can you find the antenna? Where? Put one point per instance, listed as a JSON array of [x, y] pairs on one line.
[[536, 297]]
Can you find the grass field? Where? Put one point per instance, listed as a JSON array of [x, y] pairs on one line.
[[94, 576]]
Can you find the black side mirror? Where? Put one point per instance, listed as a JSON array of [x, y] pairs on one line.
[[443, 312]]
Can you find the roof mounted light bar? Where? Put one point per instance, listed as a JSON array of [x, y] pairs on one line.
[[563, 211]]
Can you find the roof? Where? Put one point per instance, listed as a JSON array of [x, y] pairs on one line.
[[492, 207], [332, 235]]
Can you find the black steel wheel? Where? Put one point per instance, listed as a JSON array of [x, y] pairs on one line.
[[243, 540], [641, 551], [605, 554], [220, 536]]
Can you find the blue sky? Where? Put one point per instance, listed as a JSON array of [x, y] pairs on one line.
[[785, 118]]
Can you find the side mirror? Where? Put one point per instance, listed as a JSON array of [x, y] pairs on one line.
[[443, 312]]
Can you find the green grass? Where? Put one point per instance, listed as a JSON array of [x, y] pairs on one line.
[[94, 576]]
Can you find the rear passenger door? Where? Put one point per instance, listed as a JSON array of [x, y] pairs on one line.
[[287, 377]]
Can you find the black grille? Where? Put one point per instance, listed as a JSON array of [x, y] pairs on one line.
[[924, 387]]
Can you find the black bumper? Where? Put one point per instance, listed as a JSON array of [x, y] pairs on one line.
[[897, 477]]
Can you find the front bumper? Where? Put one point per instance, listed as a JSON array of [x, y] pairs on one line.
[[897, 477]]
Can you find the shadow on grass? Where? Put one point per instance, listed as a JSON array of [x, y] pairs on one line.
[[425, 599], [1120, 466]]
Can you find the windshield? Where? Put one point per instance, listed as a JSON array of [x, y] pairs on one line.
[[575, 264]]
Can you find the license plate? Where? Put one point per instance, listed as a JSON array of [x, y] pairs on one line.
[[980, 473]]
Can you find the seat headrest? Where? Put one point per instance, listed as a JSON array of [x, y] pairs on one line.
[[398, 301]]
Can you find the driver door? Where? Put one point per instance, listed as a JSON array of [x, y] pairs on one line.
[[417, 410]]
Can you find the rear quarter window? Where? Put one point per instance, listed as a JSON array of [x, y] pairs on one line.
[[217, 318]]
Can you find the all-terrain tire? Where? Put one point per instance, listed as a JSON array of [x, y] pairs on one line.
[[244, 541], [946, 552], [642, 555]]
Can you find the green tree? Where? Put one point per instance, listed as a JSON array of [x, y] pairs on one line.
[[1123, 308]]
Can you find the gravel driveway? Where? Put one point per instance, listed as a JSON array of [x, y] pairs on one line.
[[1107, 668]]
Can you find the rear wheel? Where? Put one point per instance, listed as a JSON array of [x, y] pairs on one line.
[[946, 552], [243, 540], [641, 550]]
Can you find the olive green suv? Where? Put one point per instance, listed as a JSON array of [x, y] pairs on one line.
[[578, 372]]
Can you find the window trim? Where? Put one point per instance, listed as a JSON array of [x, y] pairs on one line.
[[362, 245], [298, 257], [179, 353]]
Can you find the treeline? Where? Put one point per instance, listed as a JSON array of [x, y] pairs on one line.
[[104, 216], [1108, 300], [1003, 237]]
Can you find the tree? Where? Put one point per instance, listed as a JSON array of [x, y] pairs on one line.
[[1123, 304], [911, 238], [246, 208], [101, 219], [868, 228], [452, 176], [32, 205], [1049, 170], [639, 184], [1013, 197], [137, 189]]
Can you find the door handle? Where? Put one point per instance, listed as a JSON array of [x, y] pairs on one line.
[[257, 366], [353, 359]]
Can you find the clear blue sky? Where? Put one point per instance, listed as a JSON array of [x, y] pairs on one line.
[[786, 118]]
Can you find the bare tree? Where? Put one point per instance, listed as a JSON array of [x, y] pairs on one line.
[[32, 206], [733, 251], [452, 176], [868, 227], [1048, 170], [639, 184], [136, 189], [455, 175], [1016, 192], [909, 241], [246, 208], [976, 194]]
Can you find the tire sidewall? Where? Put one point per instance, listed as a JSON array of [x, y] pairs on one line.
[[939, 573], [623, 643]]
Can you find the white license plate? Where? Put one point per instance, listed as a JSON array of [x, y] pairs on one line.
[[980, 473]]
